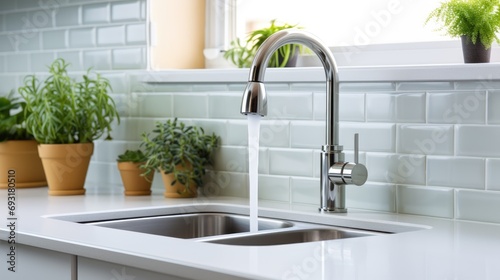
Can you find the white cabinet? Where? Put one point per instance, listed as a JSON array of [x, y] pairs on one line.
[[91, 269], [35, 263]]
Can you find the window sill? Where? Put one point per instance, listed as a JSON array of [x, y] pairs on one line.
[[347, 74]]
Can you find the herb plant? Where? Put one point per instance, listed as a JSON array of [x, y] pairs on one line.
[[180, 149], [242, 54], [478, 19], [12, 115], [135, 156], [63, 111]]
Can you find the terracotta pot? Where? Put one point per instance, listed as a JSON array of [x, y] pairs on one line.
[[177, 190], [133, 182], [21, 156], [474, 53], [66, 166]]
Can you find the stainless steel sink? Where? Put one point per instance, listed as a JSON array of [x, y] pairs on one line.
[[292, 236], [229, 225], [192, 225]]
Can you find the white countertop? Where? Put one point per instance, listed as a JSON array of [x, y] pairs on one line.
[[441, 249]]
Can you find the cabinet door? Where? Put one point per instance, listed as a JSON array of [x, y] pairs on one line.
[[91, 269], [28, 262]]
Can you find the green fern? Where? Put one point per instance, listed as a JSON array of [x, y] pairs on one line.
[[478, 19]]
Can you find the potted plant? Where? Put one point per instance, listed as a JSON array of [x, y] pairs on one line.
[[18, 150], [131, 171], [474, 21], [241, 53], [65, 117], [181, 153]]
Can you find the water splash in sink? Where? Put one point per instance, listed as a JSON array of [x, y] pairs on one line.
[[253, 165]]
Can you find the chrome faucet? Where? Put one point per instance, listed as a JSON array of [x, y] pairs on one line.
[[335, 172]]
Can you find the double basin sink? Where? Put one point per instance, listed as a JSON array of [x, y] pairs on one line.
[[231, 226]]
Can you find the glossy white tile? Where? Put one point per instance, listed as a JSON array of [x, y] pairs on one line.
[[40, 62], [191, 105], [393, 168], [111, 36], [95, 13], [304, 191], [493, 106], [82, 37], [54, 39], [373, 137], [380, 107], [425, 139], [129, 58], [66, 16], [427, 201], [126, 11], [477, 141], [457, 107], [352, 107], [307, 134], [224, 106], [17, 62], [290, 105], [456, 172], [372, 196], [136, 34], [480, 206], [410, 107], [98, 60], [493, 174], [290, 162], [275, 188], [274, 133]]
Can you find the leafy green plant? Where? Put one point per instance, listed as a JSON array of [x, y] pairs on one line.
[[242, 54], [63, 111], [12, 115], [183, 150], [477, 19], [134, 156]]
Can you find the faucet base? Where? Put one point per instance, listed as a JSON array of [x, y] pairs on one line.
[[334, 210]]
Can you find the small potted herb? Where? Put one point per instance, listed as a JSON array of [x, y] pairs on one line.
[[65, 117], [131, 171], [181, 153], [242, 54], [476, 22], [18, 149]]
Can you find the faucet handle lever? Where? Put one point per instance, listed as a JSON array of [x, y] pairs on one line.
[[356, 148]]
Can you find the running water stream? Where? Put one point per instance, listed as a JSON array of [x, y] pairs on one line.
[[253, 171]]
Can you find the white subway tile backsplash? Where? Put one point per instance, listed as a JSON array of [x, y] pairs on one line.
[[493, 105], [493, 174], [6, 44], [151, 105], [427, 201], [17, 63], [7, 83], [304, 191], [82, 37], [456, 172], [372, 196], [111, 36], [126, 11], [191, 105], [291, 162], [486, 84], [17, 21], [281, 106], [276, 188], [393, 168], [40, 62], [457, 107], [129, 58], [74, 58], [98, 60], [25, 42], [136, 34], [95, 13], [227, 184], [224, 106], [373, 137], [67, 16], [425, 139], [410, 107], [478, 141], [480, 206], [423, 86], [275, 133], [352, 107], [367, 87], [2, 64], [237, 133], [307, 134], [55, 39], [380, 107]]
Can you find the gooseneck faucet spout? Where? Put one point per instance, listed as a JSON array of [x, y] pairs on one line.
[[335, 172]]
